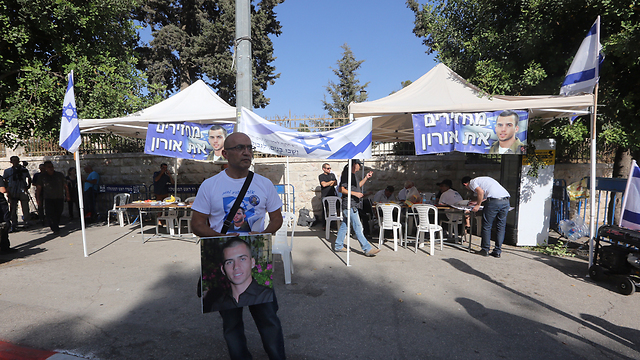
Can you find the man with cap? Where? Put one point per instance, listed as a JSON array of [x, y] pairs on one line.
[[448, 196], [356, 198]]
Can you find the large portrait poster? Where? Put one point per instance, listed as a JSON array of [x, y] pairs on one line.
[[187, 140], [495, 132], [236, 271]]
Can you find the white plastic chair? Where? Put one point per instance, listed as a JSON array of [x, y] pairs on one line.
[[283, 244], [424, 225], [332, 212], [453, 221], [118, 200], [170, 217], [389, 219], [186, 217]]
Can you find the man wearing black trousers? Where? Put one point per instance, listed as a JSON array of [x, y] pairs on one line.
[[208, 215]]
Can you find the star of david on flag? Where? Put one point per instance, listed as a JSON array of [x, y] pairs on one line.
[[351, 141], [584, 71], [309, 148], [69, 127]]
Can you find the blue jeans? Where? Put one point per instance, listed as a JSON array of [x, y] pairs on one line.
[[269, 327], [494, 210], [357, 228]]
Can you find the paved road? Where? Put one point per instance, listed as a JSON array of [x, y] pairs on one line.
[[130, 300]]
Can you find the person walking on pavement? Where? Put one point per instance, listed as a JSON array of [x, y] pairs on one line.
[[212, 205], [90, 191], [356, 196], [53, 187], [496, 208], [18, 181]]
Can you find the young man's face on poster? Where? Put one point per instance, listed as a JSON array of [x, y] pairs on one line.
[[238, 264], [506, 128], [216, 140]]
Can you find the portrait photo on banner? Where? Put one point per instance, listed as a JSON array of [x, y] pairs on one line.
[[236, 271], [488, 132], [188, 140]]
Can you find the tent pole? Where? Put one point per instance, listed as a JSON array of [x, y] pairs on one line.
[[175, 180], [286, 182], [592, 185], [76, 155], [348, 211]]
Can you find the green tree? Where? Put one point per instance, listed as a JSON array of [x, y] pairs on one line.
[[348, 88], [517, 47], [41, 41], [194, 39]]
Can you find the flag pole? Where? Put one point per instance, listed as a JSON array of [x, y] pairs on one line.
[[594, 160], [76, 156], [592, 185]]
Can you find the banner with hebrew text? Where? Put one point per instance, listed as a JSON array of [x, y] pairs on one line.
[[496, 132], [351, 141], [187, 140]]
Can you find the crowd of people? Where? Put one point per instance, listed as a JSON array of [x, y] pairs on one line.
[[486, 193], [51, 189]]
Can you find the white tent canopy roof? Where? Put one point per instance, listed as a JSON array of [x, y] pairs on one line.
[[442, 90], [198, 103]]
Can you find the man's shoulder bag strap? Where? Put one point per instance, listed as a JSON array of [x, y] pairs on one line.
[[236, 205]]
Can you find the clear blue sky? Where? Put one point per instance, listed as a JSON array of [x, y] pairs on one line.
[[378, 31]]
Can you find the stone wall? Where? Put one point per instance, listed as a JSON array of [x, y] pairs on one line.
[[425, 171]]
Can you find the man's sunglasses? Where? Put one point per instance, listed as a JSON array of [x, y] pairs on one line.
[[241, 148]]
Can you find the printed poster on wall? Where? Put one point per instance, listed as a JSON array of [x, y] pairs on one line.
[[187, 140], [236, 271], [495, 132]]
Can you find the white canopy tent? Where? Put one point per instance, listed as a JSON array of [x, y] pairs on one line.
[[198, 103], [442, 90]]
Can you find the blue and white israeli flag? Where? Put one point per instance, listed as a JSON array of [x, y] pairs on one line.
[[631, 204], [584, 71], [352, 141], [69, 127]]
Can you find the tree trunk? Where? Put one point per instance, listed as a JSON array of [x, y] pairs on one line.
[[621, 166]]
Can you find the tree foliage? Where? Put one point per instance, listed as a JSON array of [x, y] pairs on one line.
[[347, 89], [41, 41], [525, 47], [194, 39]]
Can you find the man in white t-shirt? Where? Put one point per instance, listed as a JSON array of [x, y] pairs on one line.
[[409, 192], [448, 196], [212, 204], [496, 207], [385, 196]]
